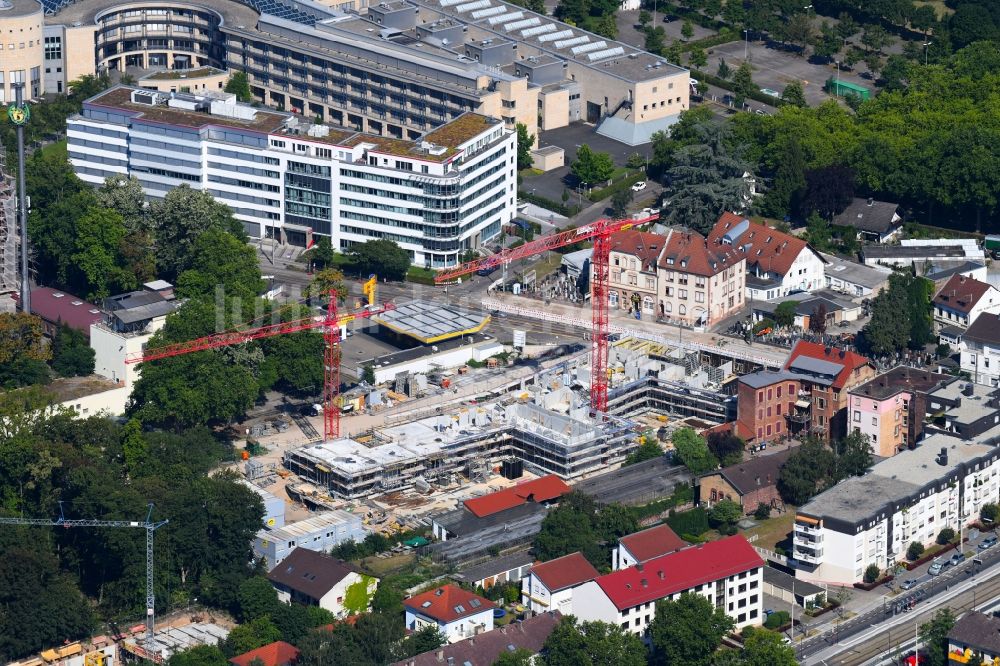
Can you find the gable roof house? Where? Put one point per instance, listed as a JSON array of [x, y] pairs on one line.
[[632, 259], [549, 586], [645, 545], [777, 263], [315, 579], [875, 221], [962, 299], [458, 614], [699, 284], [748, 483]]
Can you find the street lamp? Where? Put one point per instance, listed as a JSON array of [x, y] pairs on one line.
[[746, 44], [926, 44], [838, 75]]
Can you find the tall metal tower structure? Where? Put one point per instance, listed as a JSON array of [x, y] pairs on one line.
[[19, 113], [149, 525]]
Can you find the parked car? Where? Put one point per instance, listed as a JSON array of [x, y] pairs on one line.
[[988, 542], [937, 567], [907, 584], [639, 187], [956, 559]]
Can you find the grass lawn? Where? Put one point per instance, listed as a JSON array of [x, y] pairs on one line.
[[774, 530], [380, 566], [56, 149]]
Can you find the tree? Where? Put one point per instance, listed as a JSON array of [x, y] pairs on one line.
[[384, 258], [591, 644], [914, 551], [829, 190], [72, 356], [239, 85], [655, 39], [725, 512], [687, 30], [100, 234], [871, 573], [765, 648], [923, 19], [900, 316], [818, 233], [620, 201], [648, 450], [250, 636], [989, 513], [794, 94], [810, 468], [692, 451], [21, 337], [645, 18], [817, 319], [135, 448], [525, 142], [256, 598], [567, 529], [200, 655], [220, 260], [826, 44], [727, 447], [784, 313], [325, 281], [697, 57], [875, 38], [724, 71], [847, 27], [519, 657], [606, 26], [708, 176], [783, 198], [895, 73], [946, 536], [934, 635], [798, 30], [423, 640], [591, 167], [321, 255], [179, 218], [743, 84], [124, 195], [368, 375], [762, 512], [687, 631]]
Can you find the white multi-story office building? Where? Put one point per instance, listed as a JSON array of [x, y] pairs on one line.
[[437, 196], [872, 519]]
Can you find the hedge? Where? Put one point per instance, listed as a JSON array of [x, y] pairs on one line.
[[420, 275], [724, 37], [554, 206], [754, 95], [687, 524], [604, 193]]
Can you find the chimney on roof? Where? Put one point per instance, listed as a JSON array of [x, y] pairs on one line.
[[660, 574], [871, 201], [644, 582], [440, 655], [843, 353], [968, 389], [638, 566], [758, 480]]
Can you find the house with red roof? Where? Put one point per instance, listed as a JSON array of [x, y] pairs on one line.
[[543, 489], [549, 585], [458, 614], [699, 284], [825, 375], [632, 257], [777, 263], [278, 653], [961, 300], [644, 546], [728, 572]]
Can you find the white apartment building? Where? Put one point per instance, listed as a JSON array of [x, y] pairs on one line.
[[549, 586], [438, 196], [910, 497], [963, 299], [728, 572], [981, 350]]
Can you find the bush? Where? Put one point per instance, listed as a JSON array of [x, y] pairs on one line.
[[763, 512], [989, 513], [554, 206], [777, 619], [915, 550], [728, 85], [691, 523], [871, 573], [623, 184], [945, 536]]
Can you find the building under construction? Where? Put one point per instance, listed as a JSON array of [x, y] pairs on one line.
[[548, 425]]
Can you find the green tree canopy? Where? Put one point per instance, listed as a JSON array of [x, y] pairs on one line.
[[384, 258], [219, 260], [692, 451], [592, 644], [72, 356], [239, 85], [934, 635], [810, 468], [525, 142], [687, 631], [592, 167], [784, 314]]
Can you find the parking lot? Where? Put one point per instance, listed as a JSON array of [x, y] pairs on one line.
[[775, 69]]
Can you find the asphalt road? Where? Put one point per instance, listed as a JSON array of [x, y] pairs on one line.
[[882, 629]]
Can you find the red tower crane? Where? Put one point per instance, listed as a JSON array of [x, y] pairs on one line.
[[330, 324], [600, 232]]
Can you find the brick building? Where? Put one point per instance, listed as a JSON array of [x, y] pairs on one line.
[[826, 375], [749, 483], [765, 401]]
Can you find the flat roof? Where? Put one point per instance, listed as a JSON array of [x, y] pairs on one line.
[[494, 566], [782, 580], [899, 379], [85, 11], [855, 273], [179, 74], [912, 252], [430, 322], [19, 8], [317, 523]]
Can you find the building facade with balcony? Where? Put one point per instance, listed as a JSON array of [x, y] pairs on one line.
[[766, 406], [872, 519], [283, 177], [890, 408]]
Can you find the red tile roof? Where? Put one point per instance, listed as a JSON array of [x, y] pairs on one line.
[[960, 294], [771, 250], [542, 489], [848, 359], [563, 572], [448, 603], [680, 571], [690, 252], [643, 245], [54, 306], [278, 653], [655, 541]]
